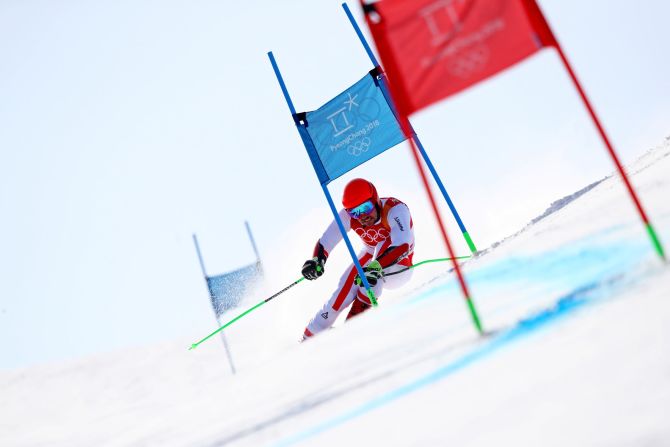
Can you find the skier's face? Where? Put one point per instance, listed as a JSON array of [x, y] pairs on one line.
[[365, 213], [369, 219]]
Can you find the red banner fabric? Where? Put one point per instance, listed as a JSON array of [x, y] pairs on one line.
[[432, 49]]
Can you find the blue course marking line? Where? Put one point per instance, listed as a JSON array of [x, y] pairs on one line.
[[577, 263], [565, 306]]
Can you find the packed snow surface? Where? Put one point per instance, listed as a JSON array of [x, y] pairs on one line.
[[577, 353]]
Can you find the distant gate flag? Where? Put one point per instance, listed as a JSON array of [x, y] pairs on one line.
[[435, 48], [355, 126], [227, 290]]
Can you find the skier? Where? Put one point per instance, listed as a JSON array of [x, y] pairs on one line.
[[385, 227]]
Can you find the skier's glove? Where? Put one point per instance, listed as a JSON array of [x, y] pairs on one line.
[[313, 268], [373, 273]]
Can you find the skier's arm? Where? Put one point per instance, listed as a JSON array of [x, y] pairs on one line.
[[398, 245], [332, 236], [314, 268]]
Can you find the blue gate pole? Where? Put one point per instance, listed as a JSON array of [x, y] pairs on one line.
[[413, 135], [204, 273], [424, 155], [253, 245], [340, 225]]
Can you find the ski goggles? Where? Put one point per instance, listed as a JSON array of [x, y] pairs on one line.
[[363, 209]]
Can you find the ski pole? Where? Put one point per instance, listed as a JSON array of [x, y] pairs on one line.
[[426, 262], [196, 344]]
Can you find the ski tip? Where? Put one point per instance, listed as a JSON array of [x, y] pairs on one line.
[[193, 346]]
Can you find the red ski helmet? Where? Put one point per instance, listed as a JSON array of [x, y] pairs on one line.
[[358, 191]]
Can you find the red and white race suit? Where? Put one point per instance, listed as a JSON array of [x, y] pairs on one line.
[[390, 240]]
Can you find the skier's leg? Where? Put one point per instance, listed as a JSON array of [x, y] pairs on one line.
[[362, 292], [340, 300], [362, 302], [357, 308]]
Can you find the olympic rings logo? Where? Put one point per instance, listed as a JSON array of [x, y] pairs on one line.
[[359, 147], [470, 62], [372, 235]]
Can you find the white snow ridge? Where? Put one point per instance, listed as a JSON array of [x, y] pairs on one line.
[[578, 354]]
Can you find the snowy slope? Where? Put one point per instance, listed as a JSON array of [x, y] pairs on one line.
[[576, 305]]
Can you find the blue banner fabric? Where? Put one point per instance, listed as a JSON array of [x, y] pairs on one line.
[[355, 126], [227, 290]]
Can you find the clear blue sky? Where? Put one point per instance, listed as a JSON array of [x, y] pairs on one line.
[[125, 126]]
